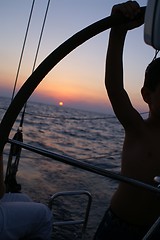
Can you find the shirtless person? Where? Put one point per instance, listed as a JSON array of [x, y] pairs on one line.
[[133, 210]]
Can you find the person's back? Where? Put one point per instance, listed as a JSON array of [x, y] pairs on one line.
[[133, 210]]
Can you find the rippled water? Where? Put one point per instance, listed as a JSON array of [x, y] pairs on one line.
[[85, 136]]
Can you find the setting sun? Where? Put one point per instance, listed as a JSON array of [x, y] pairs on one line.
[[60, 103]]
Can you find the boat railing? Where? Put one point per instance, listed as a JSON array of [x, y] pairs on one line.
[[93, 169], [85, 166], [76, 221]]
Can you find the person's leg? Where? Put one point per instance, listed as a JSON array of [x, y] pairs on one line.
[[25, 220]]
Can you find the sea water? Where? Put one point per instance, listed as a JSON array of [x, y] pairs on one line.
[[93, 138]]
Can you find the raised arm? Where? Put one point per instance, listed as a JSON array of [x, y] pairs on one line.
[[120, 101]]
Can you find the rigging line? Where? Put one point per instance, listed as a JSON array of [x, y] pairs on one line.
[[156, 53], [12, 168], [21, 56], [71, 118], [74, 118], [40, 38], [35, 60]]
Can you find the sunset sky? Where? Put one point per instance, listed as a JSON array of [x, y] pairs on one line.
[[78, 80]]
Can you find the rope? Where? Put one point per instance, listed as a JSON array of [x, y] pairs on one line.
[[35, 60], [12, 167], [40, 38], [21, 56], [14, 154], [156, 53]]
